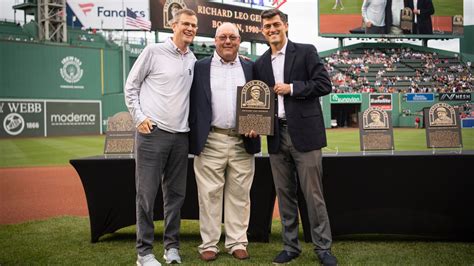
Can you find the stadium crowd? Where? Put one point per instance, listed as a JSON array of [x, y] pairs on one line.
[[397, 70]]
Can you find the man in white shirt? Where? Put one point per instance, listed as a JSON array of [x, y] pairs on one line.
[[224, 163], [392, 16]]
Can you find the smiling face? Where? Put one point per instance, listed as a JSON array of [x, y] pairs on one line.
[[274, 30], [184, 30], [227, 41]]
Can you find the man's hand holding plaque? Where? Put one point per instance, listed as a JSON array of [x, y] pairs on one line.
[[255, 109]]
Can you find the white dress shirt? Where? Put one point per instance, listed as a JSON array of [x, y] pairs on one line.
[[278, 66], [397, 6], [225, 77], [415, 6]]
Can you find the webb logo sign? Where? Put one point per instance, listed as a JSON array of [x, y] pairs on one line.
[[21, 118], [32, 118]]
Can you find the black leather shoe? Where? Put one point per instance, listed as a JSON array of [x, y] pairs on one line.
[[326, 258], [285, 257]]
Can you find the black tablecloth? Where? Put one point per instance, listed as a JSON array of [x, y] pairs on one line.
[[412, 193], [109, 184]]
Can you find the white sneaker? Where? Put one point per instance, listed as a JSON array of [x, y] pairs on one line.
[[172, 256], [147, 260]]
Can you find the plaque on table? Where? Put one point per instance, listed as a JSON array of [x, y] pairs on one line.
[[458, 25], [120, 135], [255, 108], [443, 129], [406, 19], [375, 129]]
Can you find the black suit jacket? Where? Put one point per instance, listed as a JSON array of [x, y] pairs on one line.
[[200, 112], [424, 25], [304, 69], [388, 16]]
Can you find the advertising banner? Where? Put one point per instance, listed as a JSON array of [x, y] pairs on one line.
[[105, 14], [73, 118], [345, 98], [210, 15], [381, 100], [458, 96], [420, 97], [35, 118], [23, 118]]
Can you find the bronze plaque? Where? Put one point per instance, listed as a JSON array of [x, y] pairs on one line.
[[443, 128], [375, 118], [120, 142], [458, 25], [120, 135], [255, 108], [406, 19], [375, 129], [442, 115]]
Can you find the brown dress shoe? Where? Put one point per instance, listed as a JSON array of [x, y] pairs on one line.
[[208, 256], [240, 254]]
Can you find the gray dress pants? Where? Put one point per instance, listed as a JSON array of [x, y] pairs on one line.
[[308, 165], [161, 157]]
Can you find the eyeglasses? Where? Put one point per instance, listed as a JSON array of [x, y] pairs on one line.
[[224, 38], [268, 26], [188, 24]]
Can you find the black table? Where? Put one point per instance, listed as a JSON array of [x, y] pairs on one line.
[[410, 193], [109, 184]]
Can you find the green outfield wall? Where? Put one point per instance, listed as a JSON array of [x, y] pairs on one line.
[[33, 71]]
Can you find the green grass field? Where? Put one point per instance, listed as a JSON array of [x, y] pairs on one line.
[[442, 7], [65, 241], [23, 152]]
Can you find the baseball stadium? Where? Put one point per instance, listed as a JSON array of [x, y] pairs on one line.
[[398, 119]]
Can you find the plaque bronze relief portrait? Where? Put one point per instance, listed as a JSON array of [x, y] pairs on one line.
[[376, 132], [255, 108], [169, 11], [458, 25], [443, 129], [120, 135], [375, 118], [442, 114], [406, 19], [255, 96]]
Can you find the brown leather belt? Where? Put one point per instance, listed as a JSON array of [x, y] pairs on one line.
[[226, 131]]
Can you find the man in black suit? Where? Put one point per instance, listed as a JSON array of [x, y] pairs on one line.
[[422, 12], [224, 163], [299, 78]]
